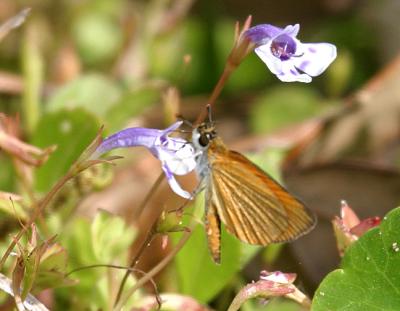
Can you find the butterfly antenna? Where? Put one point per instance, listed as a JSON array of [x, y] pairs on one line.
[[209, 114], [185, 121]]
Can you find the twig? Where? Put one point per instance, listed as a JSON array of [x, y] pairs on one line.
[[157, 268], [149, 237]]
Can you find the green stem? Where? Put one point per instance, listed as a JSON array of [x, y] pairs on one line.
[[32, 66]]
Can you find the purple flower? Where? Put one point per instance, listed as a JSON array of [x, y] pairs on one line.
[[176, 154], [288, 58]]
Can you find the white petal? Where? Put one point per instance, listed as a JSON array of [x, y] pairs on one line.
[[277, 277], [174, 184], [291, 74], [316, 57], [273, 63], [284, 70], [178, 154], [184, 160]]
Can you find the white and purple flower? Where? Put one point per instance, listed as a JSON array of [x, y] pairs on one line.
[[288, 58], [177, 156]]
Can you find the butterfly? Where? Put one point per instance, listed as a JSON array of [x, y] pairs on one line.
[[251, 204]]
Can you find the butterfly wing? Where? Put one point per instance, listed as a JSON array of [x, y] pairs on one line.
[[253, 207]]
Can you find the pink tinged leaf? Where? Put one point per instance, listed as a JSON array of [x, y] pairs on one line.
[[365, 225], [170, 302], [342, 234], [348, 216], [348, 228]]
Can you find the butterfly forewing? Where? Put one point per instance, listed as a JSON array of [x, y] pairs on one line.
[[254, 207]]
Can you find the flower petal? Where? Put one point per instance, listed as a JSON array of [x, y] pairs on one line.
[[261, 34], [284, 70], [291, 30], [316, 57], [174, 184], [129, 137], [178, 155], [291, 74], [172, 128]]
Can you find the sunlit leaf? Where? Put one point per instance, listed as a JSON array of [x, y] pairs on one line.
[[93, 92], [71, 131], [97, 36], [52, 269], [105, 240]]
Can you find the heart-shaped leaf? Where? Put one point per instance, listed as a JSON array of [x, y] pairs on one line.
[[369, 278]]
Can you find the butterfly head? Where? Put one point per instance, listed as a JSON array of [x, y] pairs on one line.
[[203, 135]]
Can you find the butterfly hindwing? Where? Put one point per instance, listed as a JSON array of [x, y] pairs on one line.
[[253, 206]]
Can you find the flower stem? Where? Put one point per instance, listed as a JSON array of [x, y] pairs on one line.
[[229, 68]]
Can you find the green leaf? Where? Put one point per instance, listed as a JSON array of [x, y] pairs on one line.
[[199, 276], [94, 92], [106, 240], [369, 278], [71, 131], [77, 239], [52, 269]]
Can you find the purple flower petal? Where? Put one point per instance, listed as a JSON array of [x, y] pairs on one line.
[[177, 156], [261, 34]]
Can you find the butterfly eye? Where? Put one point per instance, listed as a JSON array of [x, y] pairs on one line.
[[204, 139]]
